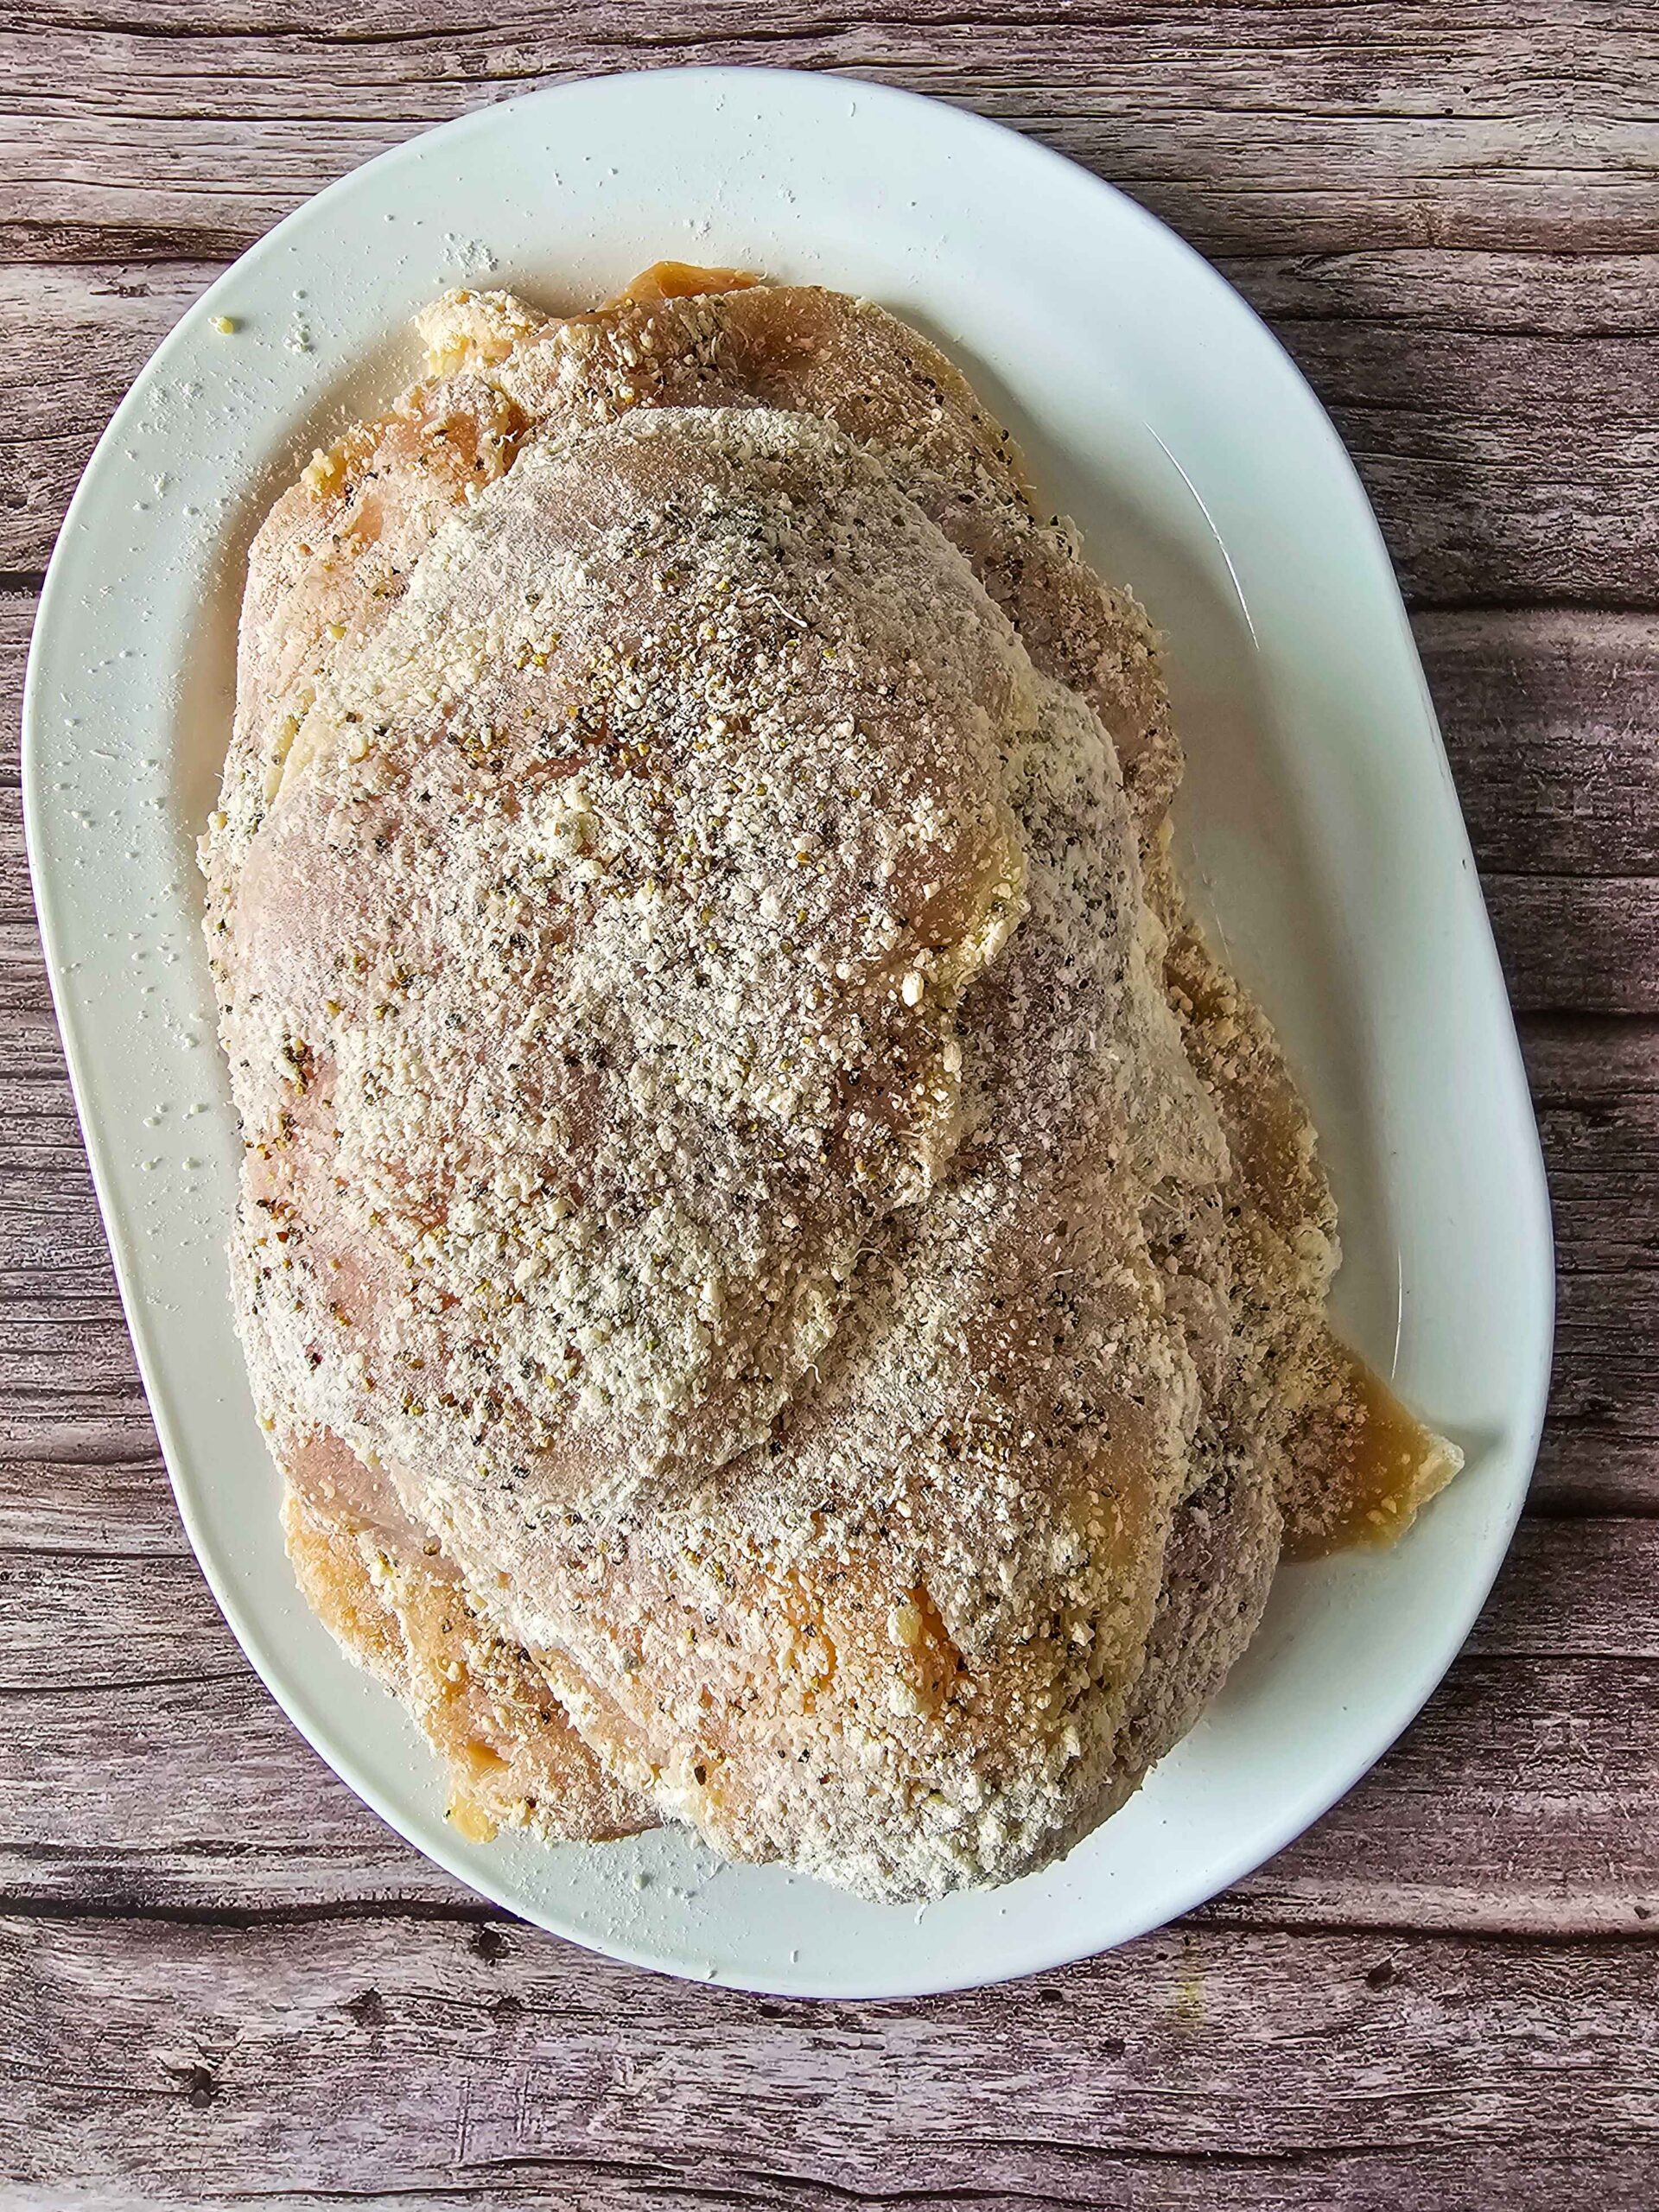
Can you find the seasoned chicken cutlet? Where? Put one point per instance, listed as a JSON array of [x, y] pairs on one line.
[[786, 1281]]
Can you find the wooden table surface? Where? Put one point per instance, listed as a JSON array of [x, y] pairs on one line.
[[225, 1981]]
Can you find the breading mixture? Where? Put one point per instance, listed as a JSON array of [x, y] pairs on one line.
[[786, 1283]]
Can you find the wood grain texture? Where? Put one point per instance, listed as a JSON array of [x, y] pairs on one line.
[[1222, 2067], [1287, 129], [221, 1979]]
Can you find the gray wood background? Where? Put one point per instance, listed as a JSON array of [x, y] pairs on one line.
[[223, 1981]]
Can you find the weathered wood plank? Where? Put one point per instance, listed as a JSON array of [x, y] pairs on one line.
[[444, 2064], [143, 1768], [1577, 944], [1503, 408], [1603, 1434], [1447, 289], [1550, 719], [1595, 1088], [1315, 129], [191, 1789]]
